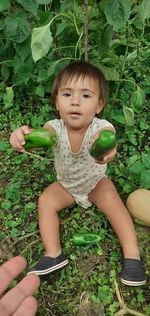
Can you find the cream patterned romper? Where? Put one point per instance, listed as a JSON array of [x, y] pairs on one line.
[[77, 172]]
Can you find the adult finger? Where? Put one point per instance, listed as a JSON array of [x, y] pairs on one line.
[[28, 307], [9, 271], [13, 299]]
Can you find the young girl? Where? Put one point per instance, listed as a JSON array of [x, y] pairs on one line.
[[79, 93]]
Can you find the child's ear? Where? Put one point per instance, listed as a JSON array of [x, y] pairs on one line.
[[56, 104], [100, 106]]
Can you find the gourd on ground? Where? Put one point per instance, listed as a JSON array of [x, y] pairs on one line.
[[138, 204]]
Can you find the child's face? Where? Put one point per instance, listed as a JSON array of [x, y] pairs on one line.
[[78, 101]]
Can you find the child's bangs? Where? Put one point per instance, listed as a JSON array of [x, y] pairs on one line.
[[69, 78]]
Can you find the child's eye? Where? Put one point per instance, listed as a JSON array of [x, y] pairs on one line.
[[66, 94], [86, 96]]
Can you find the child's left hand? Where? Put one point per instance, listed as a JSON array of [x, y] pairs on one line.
[[107, 157]]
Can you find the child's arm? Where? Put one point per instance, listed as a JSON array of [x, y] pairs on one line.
[[17, 137], [105, 158]]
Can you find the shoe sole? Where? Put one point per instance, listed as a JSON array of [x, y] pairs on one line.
[[133, 283], [49, 270]]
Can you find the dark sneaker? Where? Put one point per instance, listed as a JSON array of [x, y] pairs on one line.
[[133, 272], [48, 264]]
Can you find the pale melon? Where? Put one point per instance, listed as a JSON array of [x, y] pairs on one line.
[[138, 204]]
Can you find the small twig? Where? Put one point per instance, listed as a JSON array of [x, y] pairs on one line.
[[124, 309], [132, 312], [28, 246], [24, 237], [34, 155], [121, 312], [120, 299]]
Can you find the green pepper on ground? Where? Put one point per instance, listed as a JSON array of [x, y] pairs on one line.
[[81, 239], [40, 137], [103, 144]]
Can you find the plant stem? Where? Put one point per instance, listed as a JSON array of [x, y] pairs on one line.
[[124, 309], [77, 44], [36, 156], [132, 312], [120, 299], [28, 246], [122, 68], [24, 237], [85, 10]]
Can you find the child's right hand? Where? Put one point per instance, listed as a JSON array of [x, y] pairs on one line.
[[17, 140]]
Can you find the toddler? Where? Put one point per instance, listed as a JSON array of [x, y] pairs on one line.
[[79, 93]]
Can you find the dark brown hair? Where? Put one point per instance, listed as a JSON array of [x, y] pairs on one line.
[[81, 69]]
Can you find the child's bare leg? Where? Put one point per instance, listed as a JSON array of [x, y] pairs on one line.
[[51, 201], [106, 198]]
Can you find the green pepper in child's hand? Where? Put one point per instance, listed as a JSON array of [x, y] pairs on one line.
[[81, 239], [40, 137], [103, 144]]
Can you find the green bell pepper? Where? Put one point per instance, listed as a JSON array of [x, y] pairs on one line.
[[81, 239], [40, 137], [103, 144]]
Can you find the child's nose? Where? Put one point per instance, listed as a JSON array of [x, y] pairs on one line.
[[75, 100]]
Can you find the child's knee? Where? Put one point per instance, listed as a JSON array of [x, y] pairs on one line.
[[43, 200]]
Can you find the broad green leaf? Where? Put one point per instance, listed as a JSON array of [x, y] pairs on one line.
[[119, 118], [137, 168], [60, 28], [23, 50], [1, 25], [52, 68], [22, 71], [17, 28], [8, 97], [146, 160], [41, 41], [40, 90], [106, 37], [132, 56], [132, 160], [42, 72], [5, 72], [29, 5], [138, 99], [110, 73], [129, 115], [17, 63], [144, 10], [117, 12], [4, 5], [145, 179]]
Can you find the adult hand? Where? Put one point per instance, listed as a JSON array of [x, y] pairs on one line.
[[19, 300], [17, 140]]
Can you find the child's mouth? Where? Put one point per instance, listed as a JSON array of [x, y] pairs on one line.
[[75, 114]]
